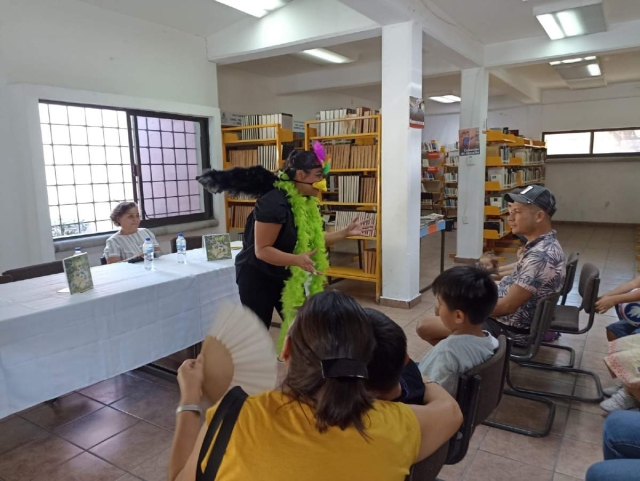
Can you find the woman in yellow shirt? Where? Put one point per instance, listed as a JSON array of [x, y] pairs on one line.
[[323, 424]]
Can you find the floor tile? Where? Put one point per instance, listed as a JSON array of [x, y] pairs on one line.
[[592, 360], [528, 414], [168, 384], [455, 472], [155, 469], [35, 458], [146, 402], [93, 429], [85, 467], [593, 408], [128, 477], [585, 427], [564, 477], [135, 446], [114, 389], [576, 456], [539, 452], [16, 432], [64, 410], [165, 418], [489, 467]]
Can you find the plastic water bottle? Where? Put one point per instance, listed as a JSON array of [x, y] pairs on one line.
[[77, 252], [147, 249], [181, 247]]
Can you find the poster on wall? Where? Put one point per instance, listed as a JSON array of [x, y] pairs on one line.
[[469, 142], [416, 113]]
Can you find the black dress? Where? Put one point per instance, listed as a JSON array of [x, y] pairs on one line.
[[260, 284]]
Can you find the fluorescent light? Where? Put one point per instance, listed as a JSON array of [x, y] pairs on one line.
[[557, 62], [570, 23], [593, 57], [257, 8], [327, 55], [572, 60], [550, 26], [594, 69], [445, 99]]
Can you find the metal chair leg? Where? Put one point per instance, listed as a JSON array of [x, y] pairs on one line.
[[527, 432], [570, 364], [567, 397]]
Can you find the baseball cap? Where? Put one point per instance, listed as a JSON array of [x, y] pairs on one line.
[[536, 195]]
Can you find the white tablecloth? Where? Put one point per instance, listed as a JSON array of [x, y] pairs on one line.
[[52, 343]]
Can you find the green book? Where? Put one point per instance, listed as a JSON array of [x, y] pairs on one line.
[[78, 273], [217, 246]]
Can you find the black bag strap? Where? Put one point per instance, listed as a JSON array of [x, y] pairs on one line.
[[224, 419]]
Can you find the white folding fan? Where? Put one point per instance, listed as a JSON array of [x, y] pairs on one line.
[[238, 351]]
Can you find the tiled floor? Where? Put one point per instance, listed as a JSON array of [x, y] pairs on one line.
[[121, 429]]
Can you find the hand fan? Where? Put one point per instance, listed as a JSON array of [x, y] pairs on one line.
[[238, 351]]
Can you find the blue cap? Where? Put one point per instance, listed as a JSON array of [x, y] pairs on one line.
[[180, 234], [148, 239]]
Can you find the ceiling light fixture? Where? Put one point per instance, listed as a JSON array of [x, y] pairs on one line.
[[571, 18], [445, 99], [593, 57], [594, 69], [257, 8], [572, 60], [327, 55], [557, 62]]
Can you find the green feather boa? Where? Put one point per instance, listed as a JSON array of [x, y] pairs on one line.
[[306, 215]]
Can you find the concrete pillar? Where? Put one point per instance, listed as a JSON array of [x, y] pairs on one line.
[[471, 171], [401, 145]]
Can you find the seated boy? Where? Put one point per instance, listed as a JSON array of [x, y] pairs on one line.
[[466, 297], [626, 300], [392, 375]]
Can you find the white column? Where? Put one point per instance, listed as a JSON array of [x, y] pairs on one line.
[[471, 171], [401, 78]]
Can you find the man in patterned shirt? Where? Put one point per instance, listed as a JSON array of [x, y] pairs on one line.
[[538, 273]]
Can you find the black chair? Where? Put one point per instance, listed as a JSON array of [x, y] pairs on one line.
[[4, 279], [479, 393], [103, 261], [541, 321], [548, 316], [570, 275], [193, 242], [38, 270]]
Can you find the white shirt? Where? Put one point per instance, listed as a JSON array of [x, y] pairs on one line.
[[127, 246]]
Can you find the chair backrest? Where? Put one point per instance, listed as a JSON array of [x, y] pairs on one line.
[[193, 242], [541, 323], [479, 394], [4, 279], [588, 286], [570, 275], [38, 270]]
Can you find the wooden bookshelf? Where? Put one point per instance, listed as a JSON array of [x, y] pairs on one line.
[[237, 210], [370, 247], [515, 155]]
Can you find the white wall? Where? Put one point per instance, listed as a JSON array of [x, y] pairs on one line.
[[88, 55], [587, 191], [243, 92]]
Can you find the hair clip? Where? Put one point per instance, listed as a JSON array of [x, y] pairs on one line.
[[343, 368]]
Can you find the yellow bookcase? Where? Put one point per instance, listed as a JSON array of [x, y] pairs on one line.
[[370, 251], [238, 209]]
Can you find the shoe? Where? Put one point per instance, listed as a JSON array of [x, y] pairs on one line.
[[610, 391], [620, 401]]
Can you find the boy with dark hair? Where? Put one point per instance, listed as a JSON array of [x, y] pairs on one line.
[[466, 297], [393, 376]]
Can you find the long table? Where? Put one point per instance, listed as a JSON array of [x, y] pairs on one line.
[[52, 343]]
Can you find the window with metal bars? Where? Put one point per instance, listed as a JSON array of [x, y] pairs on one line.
[[96, 157]]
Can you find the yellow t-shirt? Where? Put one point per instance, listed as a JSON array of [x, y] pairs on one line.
[[277, 440]]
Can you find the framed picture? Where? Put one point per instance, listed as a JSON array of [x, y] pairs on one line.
[[217, 246], [78, 273]]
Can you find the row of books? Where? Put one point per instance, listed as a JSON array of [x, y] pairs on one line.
[[344, 218], [504, 176], [265, 155], [347, 127], [285, 121], [355, 188], [348, 156], [498, 201], [531, 156], [502, 151], [451, 191], [238, 215], [369, 259], [530, 175], [500, 225], [451, 177], [430, 146], [450, 203], [452, 160], [241, 197]]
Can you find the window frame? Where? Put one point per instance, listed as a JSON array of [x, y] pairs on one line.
[[591, 155], [138, 195]]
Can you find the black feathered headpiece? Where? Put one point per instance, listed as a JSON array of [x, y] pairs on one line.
[[257, 181]]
